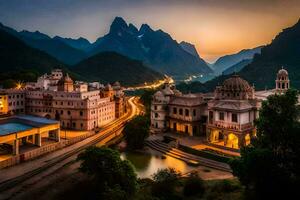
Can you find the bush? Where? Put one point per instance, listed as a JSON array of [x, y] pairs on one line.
[[136, 131], [193, 186]]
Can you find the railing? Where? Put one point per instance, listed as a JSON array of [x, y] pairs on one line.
[[42, 150], [232, 125]]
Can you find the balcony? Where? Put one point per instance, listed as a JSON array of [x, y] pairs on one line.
[[232, 125]]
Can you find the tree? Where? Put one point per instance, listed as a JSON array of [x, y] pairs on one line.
[[136, 131], [270, 165], [194, 185], [165, 181], [110, 173]]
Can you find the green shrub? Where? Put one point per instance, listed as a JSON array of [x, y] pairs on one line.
[[193, 186]]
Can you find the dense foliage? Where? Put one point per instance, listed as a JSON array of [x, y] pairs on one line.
[[109, 172], [193, 186], [110, 67], [136, 131], [165, 181], [270, 167]]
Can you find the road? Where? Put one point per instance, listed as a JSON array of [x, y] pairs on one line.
[[16, 181]]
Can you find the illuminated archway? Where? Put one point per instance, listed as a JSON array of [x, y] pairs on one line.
[[247, 139], [232, 141]]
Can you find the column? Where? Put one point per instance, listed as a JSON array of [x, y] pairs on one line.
[[16, 147], [38, 140], [57, 135], [241, 140]]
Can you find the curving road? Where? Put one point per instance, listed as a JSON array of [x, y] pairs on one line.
[[15, 180]]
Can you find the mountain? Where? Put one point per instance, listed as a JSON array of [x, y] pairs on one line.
[[80, 43], [19, 62], [227, 61], [284, 50], [156, 49], [190, 48], [108, 67], [54, 47], [237, 67]]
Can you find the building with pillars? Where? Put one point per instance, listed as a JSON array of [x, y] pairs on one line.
[[21, 130], [225, 117], [231, 113]]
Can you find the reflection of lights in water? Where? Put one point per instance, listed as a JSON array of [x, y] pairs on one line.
[[146, 164]]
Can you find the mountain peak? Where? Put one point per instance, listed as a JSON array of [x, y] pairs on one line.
[[145, 28], [117, 24], [190, 48]]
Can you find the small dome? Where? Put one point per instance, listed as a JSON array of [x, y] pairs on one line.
[[167, 91], [158, 94], [108, 87], [236, 83], [117, 83], [65, 79], [282, 73]]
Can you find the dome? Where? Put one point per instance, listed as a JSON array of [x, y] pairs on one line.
[[108, 87], [282, 73], [236, 83], [158, 93], [168, 91], [65, 79], [117, 84]]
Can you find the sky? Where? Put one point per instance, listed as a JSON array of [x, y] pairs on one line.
[[215, 27]]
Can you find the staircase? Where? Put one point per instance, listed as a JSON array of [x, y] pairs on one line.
[[186, 157]]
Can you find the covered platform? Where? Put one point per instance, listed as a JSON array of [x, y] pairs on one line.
[[24, 132]]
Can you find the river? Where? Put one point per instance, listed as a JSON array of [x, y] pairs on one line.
[[147, 164]]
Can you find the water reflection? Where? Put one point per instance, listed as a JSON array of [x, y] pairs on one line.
[[148, 164]]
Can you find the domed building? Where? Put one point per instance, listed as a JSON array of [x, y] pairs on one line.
[[282, 81], [231, 113]]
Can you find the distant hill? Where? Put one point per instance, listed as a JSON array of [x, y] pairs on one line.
[[157, 49], [284, 51], [80, 43], [109, 67], [53, 46], [237, 67], [19, 62], [227, 61]]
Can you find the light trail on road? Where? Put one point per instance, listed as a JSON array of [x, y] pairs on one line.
[[14, 186]]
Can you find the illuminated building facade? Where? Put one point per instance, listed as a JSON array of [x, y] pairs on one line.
[[76, 105], [225, 117]]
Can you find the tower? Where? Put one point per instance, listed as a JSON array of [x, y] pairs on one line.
[[65, 84], [282, 81]]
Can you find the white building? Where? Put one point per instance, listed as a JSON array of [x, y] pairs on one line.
[[56, 96], [226, 117]]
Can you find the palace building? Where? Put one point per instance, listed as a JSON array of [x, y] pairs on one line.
[[77, 105], [225, 117]]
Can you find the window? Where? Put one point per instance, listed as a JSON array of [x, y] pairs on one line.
[[211, 117], [69, 112], [187, 112], [221, 116], [61, 112], [156, 115], [234, 117], [175, 111], [81, 113], [155, 107], [194, 112], [180, 111]]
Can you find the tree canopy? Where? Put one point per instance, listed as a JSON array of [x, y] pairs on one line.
[[110, 173], [136, 131], [270, 165]]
